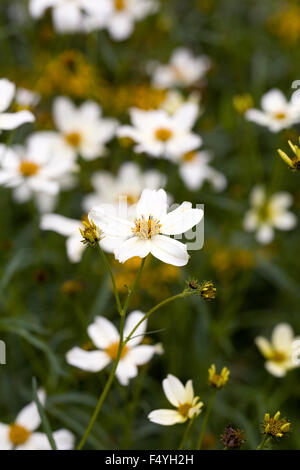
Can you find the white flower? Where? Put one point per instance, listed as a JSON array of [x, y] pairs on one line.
[[82, 129], [277, 113], [106, 338], [267, 213], [70, 16], [37, 170], [123, 15], [182, 397], [194, 169], [129, 183], [26, 98], [183, 70], [174, 99], [21, 435], [9, 121], [149, 231], [161, 135], [278, 352]]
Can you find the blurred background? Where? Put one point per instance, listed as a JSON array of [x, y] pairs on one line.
[[46, 302]]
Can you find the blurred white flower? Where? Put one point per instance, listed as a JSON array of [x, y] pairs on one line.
[[70, 16], [129, 183], [277, 113], [106, 338], [162, 135], [183, 70], [82, 129], [21, 435], [174, 99], [194, 169], [123, 15], [182, 398], [39, 170], [149, 231], [267, 213], [26, 98], [278, 352], [9, 121]]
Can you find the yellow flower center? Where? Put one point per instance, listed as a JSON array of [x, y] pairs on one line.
[[146, 228], [163, 134], [120, 5], [189, 157], [73, 139], [112, 350], [18, 435], [28, 168], [280, 115], [130, 198], [184, 409], [277, 356]]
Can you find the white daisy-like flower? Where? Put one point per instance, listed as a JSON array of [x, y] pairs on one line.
[[163, 135], [129, 184], [106, 338], [279, 351], [22, 435], [82, 129], [194, 170], [124, 13], [149, 230], [268, 213], [277, 113], [183, 70], [9, 121], [174, 99], [26, 99], [39, 170], [70, 16], [182, 398]]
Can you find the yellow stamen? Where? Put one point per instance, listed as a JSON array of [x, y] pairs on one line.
[[112, 350], [163, 134], [189, 157], [280, 115], [18, 434], [120, 5], [28, 168], [73, 139], [146, 228], [184, 409]]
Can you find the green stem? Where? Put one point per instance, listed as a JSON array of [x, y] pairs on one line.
[[263, 443], [106, 388], [205, 420], [186, 433], [133, 288], [156, 307], [115, 290]]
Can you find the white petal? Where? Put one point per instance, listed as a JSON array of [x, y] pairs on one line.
[[275, 369], [67, 18], [281, 200], [132, 247], [29, 416], [166, 417], [285, 221], [152, 203], [5, 443], [10, 121], [64, 439], [264, 346], [111, 225], [120, 26], [189, 392], [103, 333], [181, 219], [92, 361], [140, 354], [63, 113], [186, 115], [282, 337], [169, 251], [131, 321], [60, 224], [38, 7], [273, 101], [126, 371], [7, 91], [75, 247], [265, 234], [174, 390]]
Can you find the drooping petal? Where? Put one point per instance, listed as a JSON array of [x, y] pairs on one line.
[[132, 247], [169, 251], [9, 121], [60, 224], [91, 361], [103, 333], [275, 369], [166, 417], [132, 320], [75, 247], [181, 219], [174, 390], [126, 370]]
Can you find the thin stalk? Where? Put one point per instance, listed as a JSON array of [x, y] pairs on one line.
[[265, 440], [205, 420], [115, 290], [186, 433], [134, 286]]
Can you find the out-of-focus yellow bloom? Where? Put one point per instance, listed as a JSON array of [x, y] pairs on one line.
[[71, 287], [229, 262], [294, 161], [285, 24], [242, 103], [275, 427], [218, 380]]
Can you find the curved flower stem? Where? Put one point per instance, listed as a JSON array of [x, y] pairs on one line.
[[153, 309], [205, 420], [186, 433], [115, 290], [106, 388], [263, 443], [133, 288]]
